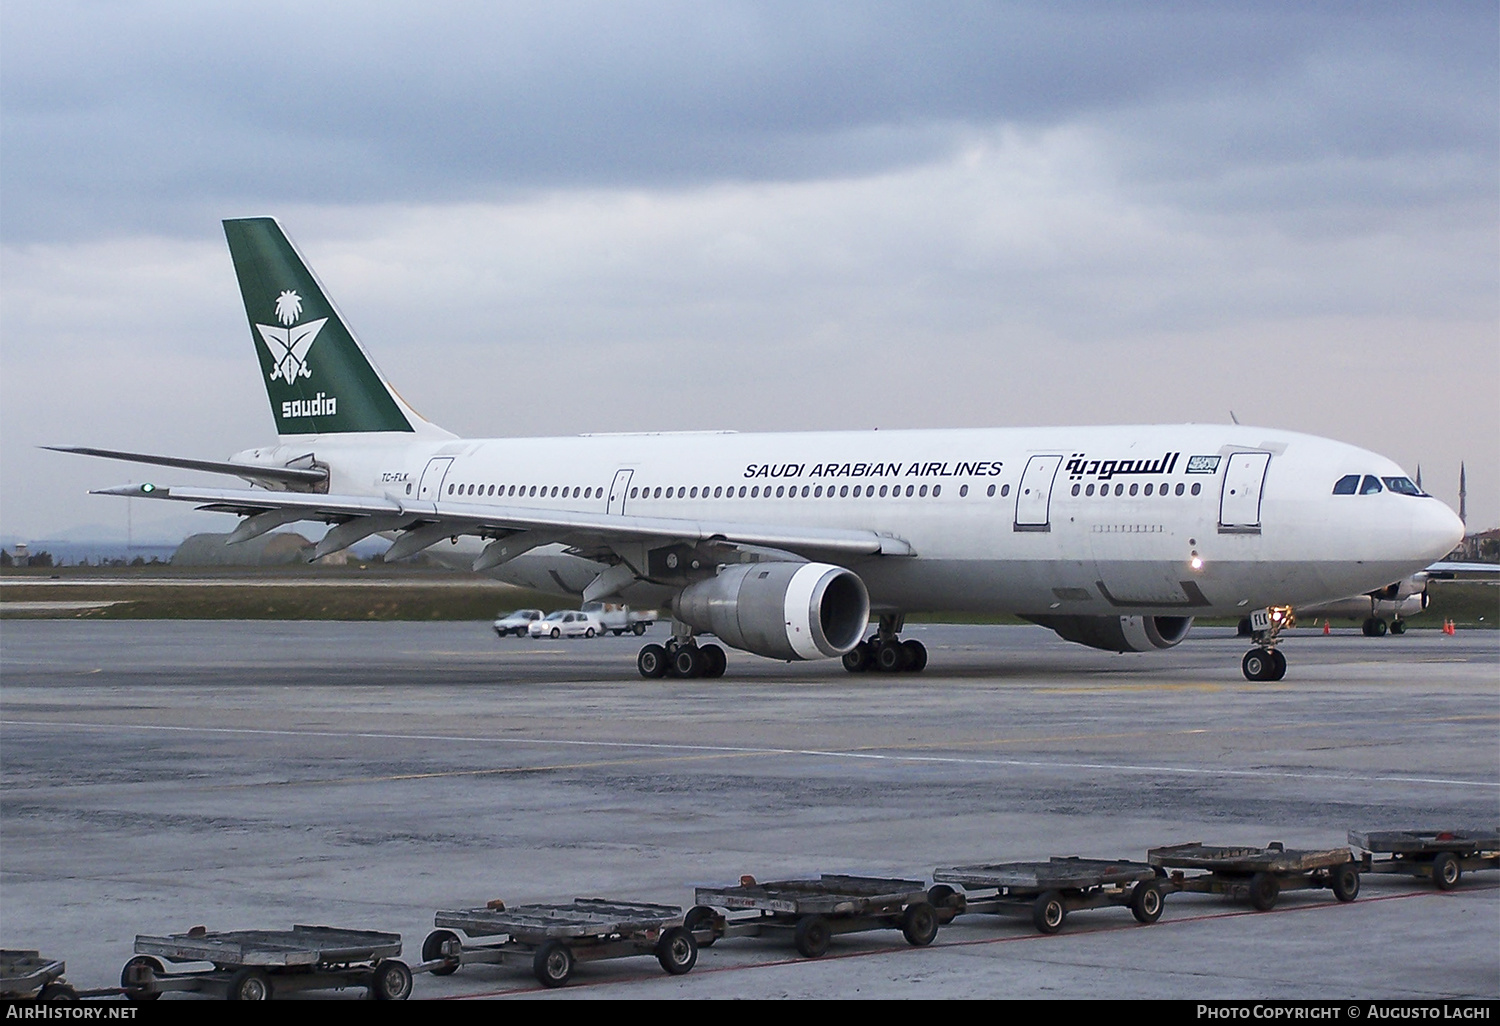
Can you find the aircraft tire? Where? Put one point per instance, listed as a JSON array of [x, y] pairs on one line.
[[889, 657], [651, 661], [715, 662], [1398, 626], [1278, 665], [916, 656], [1257, 664], [857, 659], [687, 662]]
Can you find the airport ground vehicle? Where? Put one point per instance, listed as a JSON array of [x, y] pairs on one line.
[[618, 619], [518, 622], [566, 623]]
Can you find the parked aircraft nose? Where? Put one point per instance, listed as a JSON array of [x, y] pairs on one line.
[[1436, 531]]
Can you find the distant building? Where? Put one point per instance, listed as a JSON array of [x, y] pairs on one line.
[[283, 548]]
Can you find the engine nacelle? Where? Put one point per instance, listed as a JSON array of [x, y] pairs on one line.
[[1119, 633], [781, 610]]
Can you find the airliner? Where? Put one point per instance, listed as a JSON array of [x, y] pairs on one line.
[[786, 545]]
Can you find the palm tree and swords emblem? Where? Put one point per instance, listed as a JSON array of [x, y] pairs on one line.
[[290, 341]]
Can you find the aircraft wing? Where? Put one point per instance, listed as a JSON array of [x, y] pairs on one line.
[[1448, 569], [425, 523]]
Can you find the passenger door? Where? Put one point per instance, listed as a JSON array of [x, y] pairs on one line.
[[1239, 502], [1034, 493]]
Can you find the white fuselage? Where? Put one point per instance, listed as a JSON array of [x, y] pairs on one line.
[[1181, 520]]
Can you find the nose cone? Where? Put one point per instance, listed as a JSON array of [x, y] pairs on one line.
[[1436, 532]]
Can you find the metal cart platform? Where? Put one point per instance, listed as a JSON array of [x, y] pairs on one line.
[[1258, 875], [255, 965], [27, 976], [1048, 891], [553, 939], [1442, 856], [812, 912]]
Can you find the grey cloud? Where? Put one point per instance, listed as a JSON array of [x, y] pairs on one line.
[[144, 115]]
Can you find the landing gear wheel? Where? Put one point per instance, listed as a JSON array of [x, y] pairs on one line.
[[553, 964], [432, 950], [1146, 902], [715, 662], [700, 917], [916, 656], [1278, 664], [1258, 664], [677, 951], [1344, 880], [812, 936], [1446, 871], [919, 924], [249, 985], [858, 658], [890, 657], [1398, 626], [1048, 912], [391, 980], [139, 974], [652, 662], [1264, 889], [687, 662]]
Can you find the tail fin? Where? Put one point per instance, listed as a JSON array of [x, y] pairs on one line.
[[317, 375]]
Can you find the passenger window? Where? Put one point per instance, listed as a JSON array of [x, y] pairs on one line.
[[1005, 489], [1076, 489], [963, 491], [1197, 488], [922, 491], [1089, 490], [1133, 489], [1371, 485], [937, 490], [991, 492], [1179, 488], [1346, 485]]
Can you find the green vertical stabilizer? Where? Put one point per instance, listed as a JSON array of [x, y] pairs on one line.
[[316, 374]]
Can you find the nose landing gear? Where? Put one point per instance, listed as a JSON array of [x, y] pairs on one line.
[[1266, 662]]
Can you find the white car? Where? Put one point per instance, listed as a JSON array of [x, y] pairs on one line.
[[516, 623], [566, 623]]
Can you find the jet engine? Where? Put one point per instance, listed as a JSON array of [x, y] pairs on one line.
[[1119, 633], [780, 610]]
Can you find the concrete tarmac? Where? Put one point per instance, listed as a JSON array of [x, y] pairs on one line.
[[156, 775]]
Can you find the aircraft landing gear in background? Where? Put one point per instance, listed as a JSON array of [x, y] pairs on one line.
[[682, 658], [1375, 627], [885, 652]]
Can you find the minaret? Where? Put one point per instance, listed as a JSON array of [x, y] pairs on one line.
[[1463, 496]]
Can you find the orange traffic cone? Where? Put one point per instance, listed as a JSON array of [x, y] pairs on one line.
[[1448, 627], [1326, 629]]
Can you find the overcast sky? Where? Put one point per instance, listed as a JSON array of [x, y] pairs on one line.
[[565, 217]]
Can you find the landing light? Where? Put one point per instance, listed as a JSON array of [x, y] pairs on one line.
[[148, 487], [1196, 562]]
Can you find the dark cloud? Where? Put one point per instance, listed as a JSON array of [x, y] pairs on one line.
[[129, 116]]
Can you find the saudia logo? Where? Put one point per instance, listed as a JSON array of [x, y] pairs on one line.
[[289, 344]]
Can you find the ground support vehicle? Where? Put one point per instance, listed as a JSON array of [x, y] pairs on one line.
[[1442, 856], [256, 965], [811, 912], [27, 976], [1257, 875], [618, 619], [553, 939], [1046, 892]]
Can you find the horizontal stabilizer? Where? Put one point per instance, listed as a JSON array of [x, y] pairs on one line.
[[299, 476]]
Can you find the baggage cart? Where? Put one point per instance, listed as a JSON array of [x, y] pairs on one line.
[[27, 976], [812, 912], [1442, 856], [553, 939], [1048, 891], [256, 965], [1257, 875]]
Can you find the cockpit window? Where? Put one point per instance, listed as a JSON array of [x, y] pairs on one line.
[[1404, 485], [1370, 486], [1346, 485]]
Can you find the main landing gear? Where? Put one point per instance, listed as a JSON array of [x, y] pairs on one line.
[[885, 652], [681, 657], [1266, 662], [1375, 627]]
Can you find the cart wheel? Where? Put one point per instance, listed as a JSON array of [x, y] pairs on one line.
[[58, 992], [812, 936], [391, 980], [1345, 881], [1446, 871], [138, 978], [1146, 902], [1263, 891], [432, 950], [1048, 912], [701, 917], [677, 951], [919, 924], [553, 964], [941, 896], [249, 985]]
